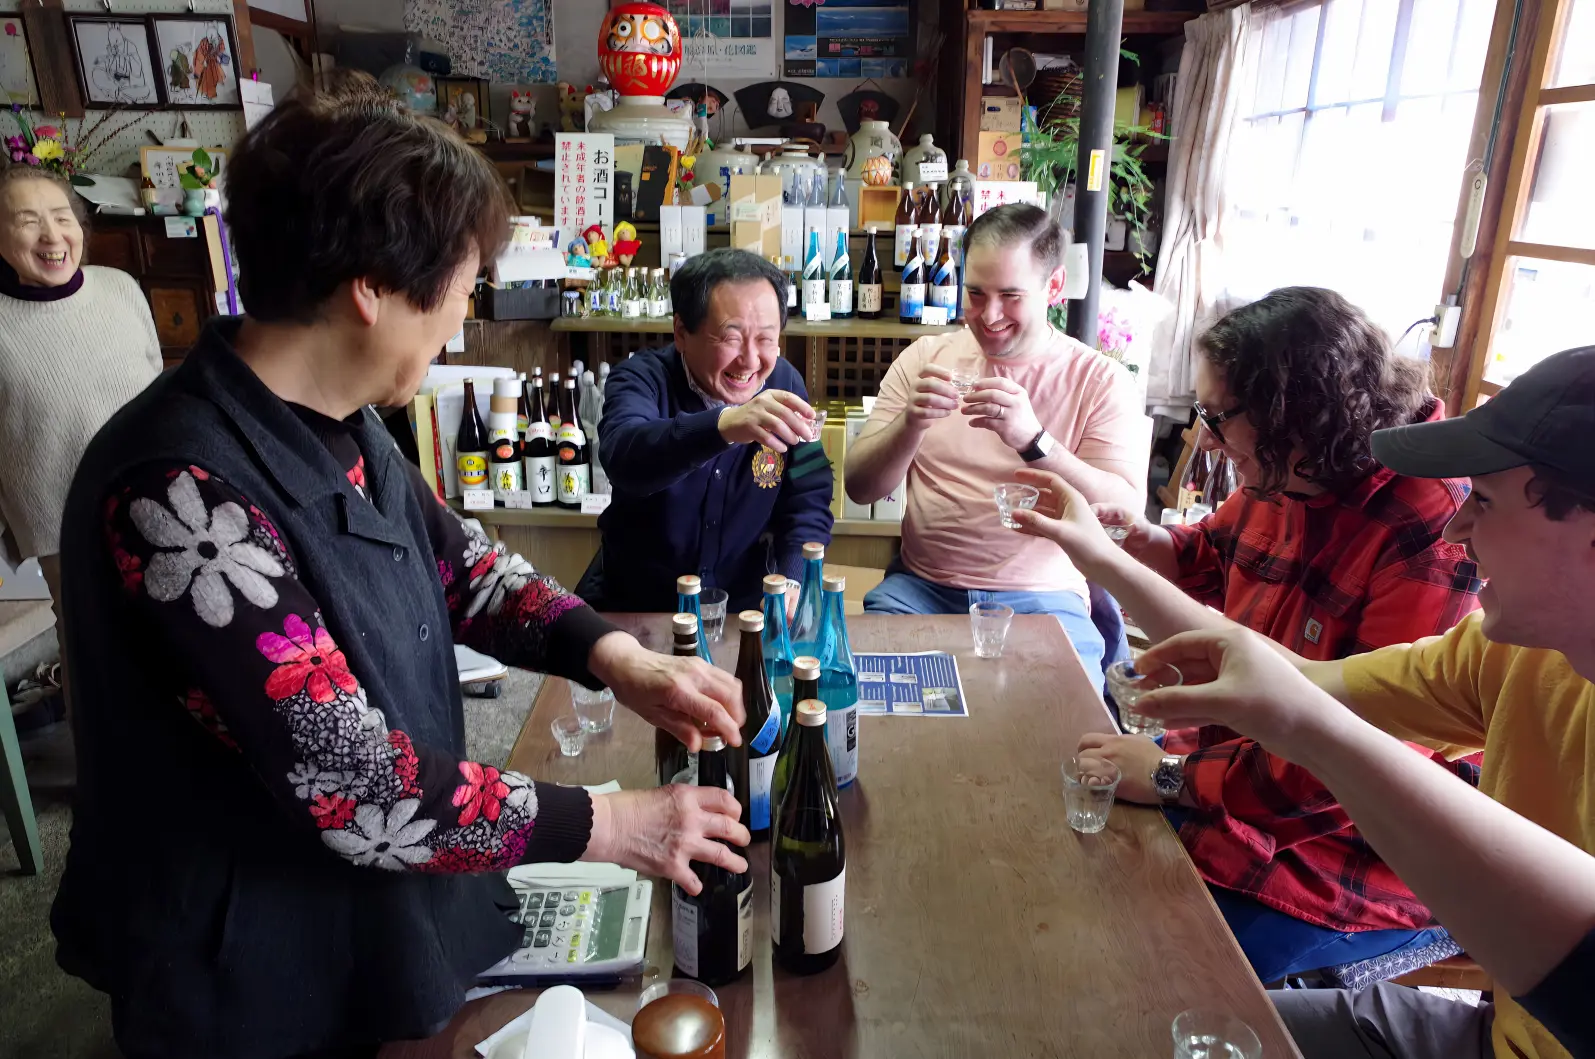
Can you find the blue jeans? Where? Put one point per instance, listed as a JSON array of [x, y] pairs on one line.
[[1279, 945], [906, 593]]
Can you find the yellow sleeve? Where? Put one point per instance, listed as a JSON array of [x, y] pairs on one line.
[[1426, 692]]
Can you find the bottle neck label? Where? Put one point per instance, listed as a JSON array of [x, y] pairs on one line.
[[538, 430]]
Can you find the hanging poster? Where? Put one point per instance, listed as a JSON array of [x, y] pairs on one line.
[[726, 38], [508, 41], [584, 182], [196, 56], [16, 70], [848, 38]]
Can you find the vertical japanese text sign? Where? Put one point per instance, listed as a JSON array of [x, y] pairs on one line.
[[584, 182]]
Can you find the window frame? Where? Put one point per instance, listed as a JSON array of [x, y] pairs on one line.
[[1525, 130]]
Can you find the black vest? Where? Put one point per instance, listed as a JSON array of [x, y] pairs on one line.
[[219, 924]]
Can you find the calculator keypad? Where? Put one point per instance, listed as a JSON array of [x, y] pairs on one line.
[[554, 923]]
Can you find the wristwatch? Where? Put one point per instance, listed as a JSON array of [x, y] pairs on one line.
[[1039, 449], [1169, 777]]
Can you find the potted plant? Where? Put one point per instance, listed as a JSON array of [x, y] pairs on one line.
[[197, 175]]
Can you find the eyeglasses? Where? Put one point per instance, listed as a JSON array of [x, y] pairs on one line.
[[1213, 421]]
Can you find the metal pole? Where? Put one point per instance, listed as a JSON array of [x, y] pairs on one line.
[[1104, 24]]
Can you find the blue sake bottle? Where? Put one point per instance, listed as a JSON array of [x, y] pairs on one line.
[[778, 644], [838, 683]]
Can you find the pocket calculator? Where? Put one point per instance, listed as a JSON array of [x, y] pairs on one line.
[[575, 931]]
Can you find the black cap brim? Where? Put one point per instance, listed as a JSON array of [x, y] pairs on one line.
[[1449, 448]]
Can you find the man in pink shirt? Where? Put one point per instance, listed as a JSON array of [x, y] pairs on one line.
[[1042, 400]]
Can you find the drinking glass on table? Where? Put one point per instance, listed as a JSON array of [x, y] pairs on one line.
[[1088, 786], [595, 709], [1014, 496], [989, 623], [1210, 1035], [712, 609], [569, 734], [1128, 684]]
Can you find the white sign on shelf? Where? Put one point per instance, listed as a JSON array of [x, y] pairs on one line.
[[518, 499], [817, 312], [181, 228], [477, 499], [933, 172], [595, 503], [933, 315], [584, 181], [989, 194]]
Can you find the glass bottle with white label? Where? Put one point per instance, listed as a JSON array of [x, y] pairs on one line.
[[808, 855], [906, 221], [841, 281], [869, 280], [713, 930], [540, 454], [632, 298], [659, 296]]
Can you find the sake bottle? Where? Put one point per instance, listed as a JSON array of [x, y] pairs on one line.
[[808, 852]]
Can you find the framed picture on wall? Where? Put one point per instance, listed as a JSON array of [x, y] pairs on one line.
[[16, 67], [198, 61], [116, 66], [467, 98]]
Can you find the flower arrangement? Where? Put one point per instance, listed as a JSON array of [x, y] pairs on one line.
[[1115, 333], [51, 147]]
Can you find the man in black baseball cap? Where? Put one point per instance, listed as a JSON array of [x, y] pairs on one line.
[[1515, 680]]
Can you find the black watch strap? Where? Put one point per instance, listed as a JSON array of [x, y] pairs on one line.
[[1035, 451]]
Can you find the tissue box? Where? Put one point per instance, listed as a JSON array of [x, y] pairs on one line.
[[889, 508], [853, 428]]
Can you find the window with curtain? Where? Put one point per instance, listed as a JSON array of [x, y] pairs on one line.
[[1351, 151], [1540, 298]]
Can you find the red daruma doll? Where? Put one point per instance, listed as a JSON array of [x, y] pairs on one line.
[[639, 49]]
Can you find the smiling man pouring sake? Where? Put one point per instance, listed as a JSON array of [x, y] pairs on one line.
[[711, 447]]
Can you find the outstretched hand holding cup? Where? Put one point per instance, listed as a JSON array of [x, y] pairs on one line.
[[1234, 678]]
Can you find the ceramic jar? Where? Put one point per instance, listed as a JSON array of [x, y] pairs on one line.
[[720, 165], [644, 118], [960, 182], [873, 139], [925, 151]]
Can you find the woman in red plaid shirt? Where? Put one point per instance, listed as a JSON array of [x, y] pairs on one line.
[[1324, 551]]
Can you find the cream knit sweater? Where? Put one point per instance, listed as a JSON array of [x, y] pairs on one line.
[[65, 368]]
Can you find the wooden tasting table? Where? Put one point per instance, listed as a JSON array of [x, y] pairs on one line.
[[977, 922]]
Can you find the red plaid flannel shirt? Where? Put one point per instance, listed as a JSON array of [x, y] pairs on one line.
[[1327, 577]]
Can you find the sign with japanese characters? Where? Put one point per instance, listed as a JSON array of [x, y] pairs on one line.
[[584, 181], [989, 194]]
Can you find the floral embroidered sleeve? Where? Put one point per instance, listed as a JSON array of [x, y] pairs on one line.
[[503, 607], [254, 663]]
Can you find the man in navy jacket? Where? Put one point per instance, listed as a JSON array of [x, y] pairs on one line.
[[710, 447]]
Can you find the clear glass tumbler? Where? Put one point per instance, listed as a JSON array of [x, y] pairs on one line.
[[1014, 496], [569, 734], [712, 606], [1088, 787], [989, 623], [964, 379], [594, 709], [820, 416], [1211, 1035], [1127, 684]]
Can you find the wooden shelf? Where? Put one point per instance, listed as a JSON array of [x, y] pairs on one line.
[[795, 328], [1074, 22], [560, 518]]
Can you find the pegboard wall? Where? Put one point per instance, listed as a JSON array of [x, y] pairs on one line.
[[211, 128]]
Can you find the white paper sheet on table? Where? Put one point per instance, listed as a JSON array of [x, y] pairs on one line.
[[913, 684]]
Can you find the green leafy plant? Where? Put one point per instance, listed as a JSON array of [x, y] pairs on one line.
[[197, 172]]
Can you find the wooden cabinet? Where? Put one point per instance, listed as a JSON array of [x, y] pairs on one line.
[[178, 276]]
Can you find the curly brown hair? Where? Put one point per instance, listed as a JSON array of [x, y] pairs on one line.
[[1315, 376]]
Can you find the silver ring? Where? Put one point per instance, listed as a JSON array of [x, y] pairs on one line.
[[1000, 411]]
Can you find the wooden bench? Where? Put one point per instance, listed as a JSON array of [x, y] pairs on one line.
[[20, 621]]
